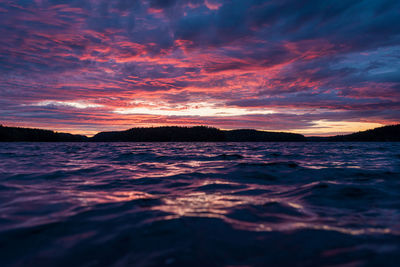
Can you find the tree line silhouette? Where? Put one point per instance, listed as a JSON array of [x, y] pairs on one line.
[[192, 134]]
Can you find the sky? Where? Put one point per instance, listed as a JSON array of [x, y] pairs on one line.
[[311, 66]]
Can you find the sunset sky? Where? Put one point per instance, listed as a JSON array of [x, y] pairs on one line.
[[317, 67]]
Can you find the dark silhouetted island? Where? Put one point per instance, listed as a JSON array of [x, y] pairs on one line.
[[193, 134], [163, 134], [17, 134], [389, 133], [262, 136]]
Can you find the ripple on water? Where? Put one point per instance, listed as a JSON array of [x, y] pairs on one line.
[[199, 204]]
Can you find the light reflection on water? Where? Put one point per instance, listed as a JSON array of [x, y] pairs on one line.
[[219, 197]]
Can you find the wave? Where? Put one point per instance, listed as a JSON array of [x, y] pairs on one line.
[[199, 204]]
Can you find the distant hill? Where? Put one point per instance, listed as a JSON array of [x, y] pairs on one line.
[[382, 134], [162, 134], [261, 136], [16, 134], [194, 134]]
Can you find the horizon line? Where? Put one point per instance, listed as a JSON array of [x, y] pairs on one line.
[[183, 126]]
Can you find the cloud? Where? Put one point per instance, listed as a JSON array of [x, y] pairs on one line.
[[73, 104], [68, 60]]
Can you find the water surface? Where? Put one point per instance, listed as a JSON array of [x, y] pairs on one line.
[[199, 204]]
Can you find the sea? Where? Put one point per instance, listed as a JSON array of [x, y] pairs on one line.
[[200, 204]]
